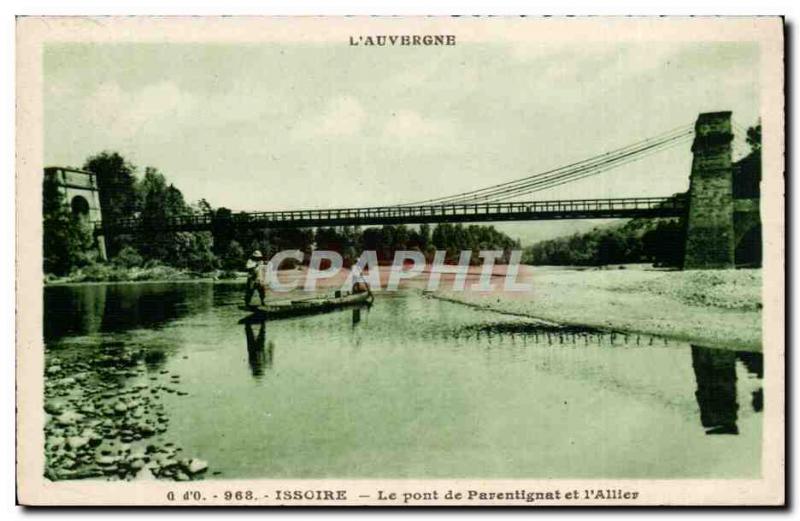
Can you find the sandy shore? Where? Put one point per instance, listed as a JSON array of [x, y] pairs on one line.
[[715, 308]]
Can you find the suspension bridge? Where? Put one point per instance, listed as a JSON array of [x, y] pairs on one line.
[[708, 207]]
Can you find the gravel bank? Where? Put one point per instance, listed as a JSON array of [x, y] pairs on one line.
[[105, 419], [715, 308]]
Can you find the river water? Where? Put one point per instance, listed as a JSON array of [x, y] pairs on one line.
[[412, 387]]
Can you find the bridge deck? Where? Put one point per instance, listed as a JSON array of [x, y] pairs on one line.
[[450, 213]]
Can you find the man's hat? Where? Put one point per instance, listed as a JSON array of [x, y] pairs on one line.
[[257, 254]]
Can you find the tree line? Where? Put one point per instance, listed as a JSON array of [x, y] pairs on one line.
[[150, 197], [659, 241]]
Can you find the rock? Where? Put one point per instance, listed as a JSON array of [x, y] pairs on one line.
[[87, 473], [91, 434], [144, 474], [76, 442], [165, 460], [195, 466], [110, 469], [120, 407], [87, 409], [69, 417], [53, 369], [180, 476], [106, 460], [54, 407]]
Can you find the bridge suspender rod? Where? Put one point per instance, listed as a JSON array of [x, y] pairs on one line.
[[595, 171], [580, 173], [558, 176], [564, 171]]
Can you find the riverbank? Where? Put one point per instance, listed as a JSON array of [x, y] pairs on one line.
[[97, 428], [713, 308], [102, 273]]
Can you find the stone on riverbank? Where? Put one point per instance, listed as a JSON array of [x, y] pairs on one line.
[[95, 421]]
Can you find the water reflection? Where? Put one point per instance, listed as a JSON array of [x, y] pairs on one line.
[[259, 355], [260, 352], [718, 391], [552, 334], [715, 372], [420, 373], [90, 309]]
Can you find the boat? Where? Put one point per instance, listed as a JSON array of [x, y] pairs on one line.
[[309, 306]]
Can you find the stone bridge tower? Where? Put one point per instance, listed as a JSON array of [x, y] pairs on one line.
[[80, 192], [710, 238], [723, 224]]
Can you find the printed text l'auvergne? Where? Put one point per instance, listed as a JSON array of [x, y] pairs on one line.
[[403, 40]]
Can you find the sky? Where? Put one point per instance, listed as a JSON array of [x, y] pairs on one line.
[[272, 126]]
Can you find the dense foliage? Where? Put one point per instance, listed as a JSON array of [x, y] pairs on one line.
[[351, 241], [659, 241]]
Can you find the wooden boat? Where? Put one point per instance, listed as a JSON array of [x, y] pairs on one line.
[[309, 306]]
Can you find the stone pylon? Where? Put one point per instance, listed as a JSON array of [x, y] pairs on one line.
[[709, 226]]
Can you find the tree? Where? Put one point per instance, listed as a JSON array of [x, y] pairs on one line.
[[116, 185], [234, 257], [128, 257], [203, 207], [160, 203], [664, 245], [193, 251], [754, 137], [424, 236]]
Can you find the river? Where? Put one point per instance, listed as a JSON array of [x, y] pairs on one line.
[[412, 387]]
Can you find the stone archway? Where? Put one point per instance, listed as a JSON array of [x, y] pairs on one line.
[[748, 243], [80, 207]]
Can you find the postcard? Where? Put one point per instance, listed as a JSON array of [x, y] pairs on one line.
[[400, 261]]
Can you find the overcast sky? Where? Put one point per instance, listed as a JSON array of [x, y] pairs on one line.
[[270, 126]]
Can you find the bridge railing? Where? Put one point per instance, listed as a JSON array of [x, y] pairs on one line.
[[531, 209]]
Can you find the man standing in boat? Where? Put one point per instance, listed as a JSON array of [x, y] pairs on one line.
[[257, 272]]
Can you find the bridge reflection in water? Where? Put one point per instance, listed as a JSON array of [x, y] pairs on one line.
[[714, 368], [715, 371]]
